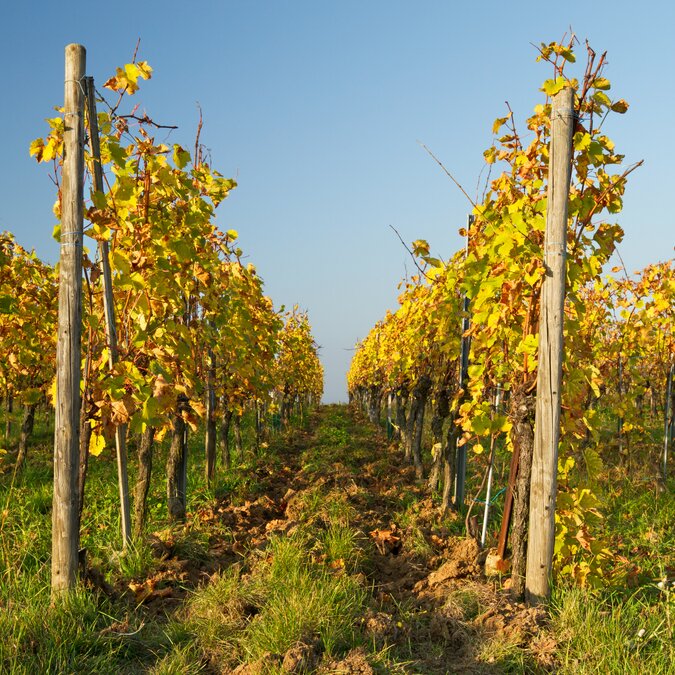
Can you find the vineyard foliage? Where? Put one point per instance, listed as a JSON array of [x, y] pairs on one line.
[[609, 320], [192, 319], [27, 322]]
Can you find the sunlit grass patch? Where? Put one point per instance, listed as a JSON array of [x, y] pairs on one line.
[[303, 601], [343, 547], [611, 633]]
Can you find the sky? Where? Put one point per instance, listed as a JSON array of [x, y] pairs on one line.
[[318, 110]]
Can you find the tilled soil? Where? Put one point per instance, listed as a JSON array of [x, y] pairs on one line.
[[431, 605]]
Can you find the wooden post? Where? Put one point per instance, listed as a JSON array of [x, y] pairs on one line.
[[210, 437], [488, 492], [460, 474], [8, 411], [109, 311], [390, 423], [543, 485], [619, 422], [68, 346], [508, 503], [668, 420]]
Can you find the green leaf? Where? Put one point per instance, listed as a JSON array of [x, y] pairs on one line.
[[568, 55], [602, 98], [6, 302], [552, 87], [581, 140], [181, 157], [117, 153], [480, 425], [121, 262], [99, 200]]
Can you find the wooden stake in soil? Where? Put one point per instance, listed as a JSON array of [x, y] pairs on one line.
[[110, 328], [68, 346], [668, 420], [491, 464], [210, 437], [460, 475], [543, 486]]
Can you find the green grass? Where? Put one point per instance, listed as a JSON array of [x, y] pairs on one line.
[[288, 598], [37, 636], [311, 586], [609, 633], [80, 635], [304, 601]]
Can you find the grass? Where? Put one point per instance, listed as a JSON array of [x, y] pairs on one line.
[[313, 586], [69, 636], [288, 598], [303, 601], [609, 633], [79, 635]]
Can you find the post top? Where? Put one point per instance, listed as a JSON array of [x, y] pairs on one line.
[[75, 47]]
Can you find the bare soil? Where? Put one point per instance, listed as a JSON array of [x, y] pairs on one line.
[[431, 608]]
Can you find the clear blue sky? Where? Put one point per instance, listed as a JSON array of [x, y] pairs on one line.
[[316, 108]]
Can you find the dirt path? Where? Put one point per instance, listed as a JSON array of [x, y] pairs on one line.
[[430, 609]]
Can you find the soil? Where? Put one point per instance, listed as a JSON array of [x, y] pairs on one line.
[[430, 598]]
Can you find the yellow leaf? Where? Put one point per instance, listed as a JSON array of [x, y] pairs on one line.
[[96, 444], [36, 148], [52, 391], [601, 83], [552, 87]]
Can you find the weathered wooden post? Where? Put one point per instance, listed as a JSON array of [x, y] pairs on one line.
[[68, 346], [543, 485], [390, 420], [460, 475], [109, 310], [491, 464], [668, 419], [210, 436]]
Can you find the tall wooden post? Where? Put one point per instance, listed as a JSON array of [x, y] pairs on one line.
[[619, 421], [543, 486], [68, 346], [668, 417], [460, 475], [390, 422], [210, 437], [109, 310], [491, 464]]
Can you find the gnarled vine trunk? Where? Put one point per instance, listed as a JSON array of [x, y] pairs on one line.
[[522, 437], [9, 409], [176, 465], [86, 414], [145, 450], [374, 400], [26, 432], [224, 440], [441, 411], [401, 403], [416, 422], [238, 444], [449, 454]]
